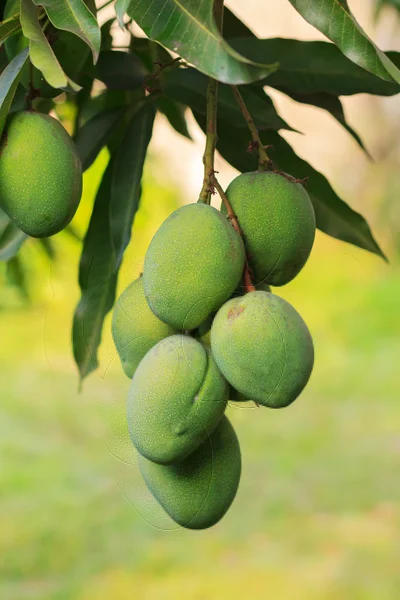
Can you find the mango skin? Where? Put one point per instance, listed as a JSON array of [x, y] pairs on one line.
[[135, 328], [176, 398], [198, 491], [193, 264], [40, 174], [263, 348], [278, 223]]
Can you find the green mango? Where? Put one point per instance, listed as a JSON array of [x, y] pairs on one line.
[[198, 491], [40, 174], [278, 224], [263, 348], [193, 264], [135, 328], [176, 398]]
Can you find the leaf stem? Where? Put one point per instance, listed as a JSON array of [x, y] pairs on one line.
[[264, 162]]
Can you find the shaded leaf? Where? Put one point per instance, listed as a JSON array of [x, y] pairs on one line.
[[74, 16], [335, 20], [40, 51], [334, 216], [310, 67], [127, 176], [120, 70], [188, 86], [11, 237], [95, 133], [233, 27], [331, 104], [8, 27], [97, 280], [187, 27], [9, 80], [16, 276], [175, 113], [48, 247]]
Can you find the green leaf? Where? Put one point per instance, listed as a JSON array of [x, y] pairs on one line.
[[334, 216], [331, 104], [11, 237], [335, 20], [187, 27], [234, 27], [120, 70], [97, 280], [74, 16], [313, 67], [95, 133], [127, 176], [9, 80], [47, 247], [8, 27], [16, 276], [189, 87], [121, 7], [40, 51], [175, 113]]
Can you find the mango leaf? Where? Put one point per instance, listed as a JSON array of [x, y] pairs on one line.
[[74, 16], [97, 280], [335, 20], [189, 87], [8, 27], [175, 113], [234, 27], [95, 133], [126, 178], [121, 7], [16, 276], [9, 80], [334, 216], [313, 67], [120, 70], [40, 51], [188, 28], [11, 237], [331, 104]]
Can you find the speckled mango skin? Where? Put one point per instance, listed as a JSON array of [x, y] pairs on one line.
[[197, 492], [278, 224], [263, 348], [40, 174], [192, 265], [177, 397], [135, 327]]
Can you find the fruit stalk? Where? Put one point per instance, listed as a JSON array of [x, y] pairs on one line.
[[264, 162]]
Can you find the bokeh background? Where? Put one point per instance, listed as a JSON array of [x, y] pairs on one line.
[[317, 515]]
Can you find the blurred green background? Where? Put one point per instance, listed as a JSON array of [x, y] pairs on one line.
[[317, 514]]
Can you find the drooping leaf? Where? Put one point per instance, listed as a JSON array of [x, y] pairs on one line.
[[187, 27], [74, 16], [40, 51], [16, 276], [335, 20], [331, 104], [127, 176], [175, 113], [120, 70], [97, 280], [121, 7], [9, 80], [313, 67], [95, 133], [47, 247], [8, 27], [11, 237], [334, 216], [189, 87]]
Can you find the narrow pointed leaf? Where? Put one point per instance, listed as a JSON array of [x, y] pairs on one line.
[[313, 67], [121, 7], [175, 113], [335, 20], [126, 178], [11, 237], [334, 216], [95, 133], [9, 80], [97, 280], [74, 16], [187, 27], [8, 27], [16, 276], [40, 51]]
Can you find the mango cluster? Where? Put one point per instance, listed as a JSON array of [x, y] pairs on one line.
[[40, 174], [191, 337]]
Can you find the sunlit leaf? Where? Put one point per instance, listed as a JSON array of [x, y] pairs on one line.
[[9, 80], [11, 237], [8, 27]]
